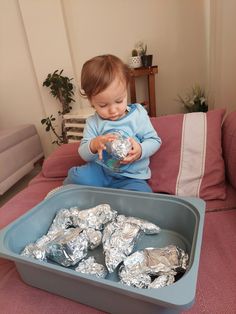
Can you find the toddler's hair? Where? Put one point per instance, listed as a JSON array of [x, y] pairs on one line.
[[99, 72]]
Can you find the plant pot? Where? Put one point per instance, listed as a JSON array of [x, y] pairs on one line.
[[135, 62], [146, 60]]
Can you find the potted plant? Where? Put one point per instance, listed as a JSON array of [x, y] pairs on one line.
[[62, 89], [135, 60], [195, 100], [142, 51]]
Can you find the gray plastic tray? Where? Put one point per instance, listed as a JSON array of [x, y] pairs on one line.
[[181, 221]]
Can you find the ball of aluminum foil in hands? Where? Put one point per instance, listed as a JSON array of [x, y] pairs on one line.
[[119, 148]]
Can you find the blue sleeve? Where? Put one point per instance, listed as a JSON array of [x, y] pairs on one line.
[[149, 139], [88, 134]]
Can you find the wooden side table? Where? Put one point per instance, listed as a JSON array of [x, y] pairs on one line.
[[150, 73]]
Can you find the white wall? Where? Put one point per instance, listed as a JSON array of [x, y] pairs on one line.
[[224, 67], [191, 41], [20, 100], [170, 29]]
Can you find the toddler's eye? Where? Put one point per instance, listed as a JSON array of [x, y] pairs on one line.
[[103, 105], [119, 101]]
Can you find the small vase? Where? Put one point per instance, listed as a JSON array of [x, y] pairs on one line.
[[135, 62], [146, 60]]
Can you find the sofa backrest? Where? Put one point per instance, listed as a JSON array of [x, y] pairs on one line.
[[189, 162]]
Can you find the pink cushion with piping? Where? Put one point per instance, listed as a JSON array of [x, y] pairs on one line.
[[61, 160], [189, 162]]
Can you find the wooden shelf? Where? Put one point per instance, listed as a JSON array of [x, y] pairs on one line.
[[150, 74]]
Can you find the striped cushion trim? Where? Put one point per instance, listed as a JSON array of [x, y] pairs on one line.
[[193, 147]]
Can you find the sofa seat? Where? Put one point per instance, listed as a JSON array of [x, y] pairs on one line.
[[27, 198], [216, 278], [20, 148]]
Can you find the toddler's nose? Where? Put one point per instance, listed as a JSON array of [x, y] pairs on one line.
[[112, 109]]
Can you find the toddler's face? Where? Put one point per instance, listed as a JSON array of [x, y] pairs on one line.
[[111, 104]]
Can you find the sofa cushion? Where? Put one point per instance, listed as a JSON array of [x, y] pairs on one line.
[[229, 146], [189, 162], [61, 160]]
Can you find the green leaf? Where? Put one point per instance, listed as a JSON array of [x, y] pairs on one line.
[[46, 83]]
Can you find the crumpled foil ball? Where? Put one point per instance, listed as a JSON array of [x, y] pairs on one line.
[[119, 148]]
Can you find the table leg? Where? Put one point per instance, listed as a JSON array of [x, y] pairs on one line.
[[152, 95]]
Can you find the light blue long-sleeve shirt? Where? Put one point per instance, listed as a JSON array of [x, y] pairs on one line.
[[135, 124]]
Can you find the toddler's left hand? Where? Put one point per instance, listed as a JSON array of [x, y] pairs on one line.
[[134, 154]]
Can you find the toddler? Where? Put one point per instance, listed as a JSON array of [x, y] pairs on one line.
[[104, 81]]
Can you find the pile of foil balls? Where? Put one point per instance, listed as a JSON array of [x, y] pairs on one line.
[[74, 232]]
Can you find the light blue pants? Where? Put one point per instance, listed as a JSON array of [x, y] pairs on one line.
[[95, 175]]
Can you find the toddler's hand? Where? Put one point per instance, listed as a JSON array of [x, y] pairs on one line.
[[97, 145], [134, 154]]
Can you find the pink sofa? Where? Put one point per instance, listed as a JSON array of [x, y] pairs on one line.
[[20, 149], [198, 157]]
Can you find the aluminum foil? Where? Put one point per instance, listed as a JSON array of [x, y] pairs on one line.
[[94, 238], [91, 267], [34, 251], [119, 148], [115, 151], [153, 262], [166, 259], [146, 226], [62, 220], [67, 224], [162, 281], [95, 217], [120, 236], [133, 271], [37, 249], [118, 241], [68, 248]]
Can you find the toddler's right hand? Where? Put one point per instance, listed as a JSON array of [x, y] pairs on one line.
[[98, 144]]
